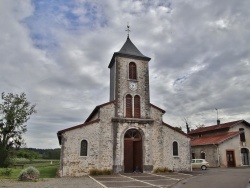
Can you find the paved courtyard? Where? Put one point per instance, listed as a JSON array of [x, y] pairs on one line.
[[140, 180]]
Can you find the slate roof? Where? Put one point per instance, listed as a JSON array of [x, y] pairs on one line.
[[213, 139], [217, 127], [129, 50]]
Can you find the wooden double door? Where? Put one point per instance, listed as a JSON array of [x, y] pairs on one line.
[[133, 151]]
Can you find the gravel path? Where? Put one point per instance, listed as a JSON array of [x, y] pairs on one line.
[[65, 182]]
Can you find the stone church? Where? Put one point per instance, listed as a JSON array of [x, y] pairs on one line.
[[127, 133]]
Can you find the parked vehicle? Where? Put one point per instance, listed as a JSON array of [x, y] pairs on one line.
[[200, 163]]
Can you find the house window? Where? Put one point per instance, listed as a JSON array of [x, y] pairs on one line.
[[84, 148], [242, 135], [175, 148], [203, 155], [132, 70], [137, 107], [129, 106], [245, 156], [193, 155]]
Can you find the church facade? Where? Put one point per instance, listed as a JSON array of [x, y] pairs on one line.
[[127, 133]]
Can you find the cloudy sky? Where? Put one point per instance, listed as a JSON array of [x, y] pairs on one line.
[[58, 52]]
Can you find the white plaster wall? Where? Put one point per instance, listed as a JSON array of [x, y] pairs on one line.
[[232, 144], [247, 133]]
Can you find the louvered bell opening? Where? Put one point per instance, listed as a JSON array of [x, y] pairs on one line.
[[132, 71], [137, 107], [129, 106]]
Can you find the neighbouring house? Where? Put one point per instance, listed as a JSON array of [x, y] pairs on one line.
[[127, 133], [222, 145]]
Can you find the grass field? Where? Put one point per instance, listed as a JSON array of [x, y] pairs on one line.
[[46, 169]]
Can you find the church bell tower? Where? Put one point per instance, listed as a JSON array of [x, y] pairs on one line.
[[129, 82]]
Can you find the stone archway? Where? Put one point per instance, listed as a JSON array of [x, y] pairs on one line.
[[133, 151]]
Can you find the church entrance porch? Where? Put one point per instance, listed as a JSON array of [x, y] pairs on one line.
[[133, 151]]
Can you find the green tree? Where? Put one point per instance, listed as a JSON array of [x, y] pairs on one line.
[[15, 111], [25, 153]]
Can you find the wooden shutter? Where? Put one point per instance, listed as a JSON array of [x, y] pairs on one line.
[[242, 135], [132, 70], [129, 106], [137, 107]]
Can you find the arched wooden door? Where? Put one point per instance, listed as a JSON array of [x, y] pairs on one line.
[[133, 151]]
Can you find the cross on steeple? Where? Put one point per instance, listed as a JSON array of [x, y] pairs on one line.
[[128, 30]]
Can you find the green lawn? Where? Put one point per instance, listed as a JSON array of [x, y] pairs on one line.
[[46, 169]]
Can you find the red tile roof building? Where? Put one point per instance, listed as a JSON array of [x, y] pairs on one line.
[[225, 144]]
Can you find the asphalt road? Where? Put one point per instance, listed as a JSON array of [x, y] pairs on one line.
[[218, 178]]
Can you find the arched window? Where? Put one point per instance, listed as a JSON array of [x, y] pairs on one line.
[[132, 134], [129, 106], [242, 135], [132, 70], [84, 148], [175, 148], [137, 107]]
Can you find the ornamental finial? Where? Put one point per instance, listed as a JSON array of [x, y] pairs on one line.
[[128, 30]]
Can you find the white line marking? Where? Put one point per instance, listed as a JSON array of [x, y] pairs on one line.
[[166, 177], [134, 186], [185, 174], [140, 181], [98, 182]]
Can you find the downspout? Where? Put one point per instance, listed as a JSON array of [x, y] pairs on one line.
[[190, 154], [218, 154]]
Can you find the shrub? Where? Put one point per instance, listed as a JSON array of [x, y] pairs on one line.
[[105, 171], [29, 173], [6, 172], [161, 170]]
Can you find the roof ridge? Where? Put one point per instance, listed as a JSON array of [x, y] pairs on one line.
[[171, 127], [77, 126], [213, 127]]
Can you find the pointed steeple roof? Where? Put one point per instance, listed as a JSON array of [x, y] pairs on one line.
[[129, 50]]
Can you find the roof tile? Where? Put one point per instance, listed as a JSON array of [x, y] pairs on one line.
[[213, 139], [215, 127]]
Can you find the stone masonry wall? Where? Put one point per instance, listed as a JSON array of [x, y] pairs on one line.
[[122, 81], [145, 130], [72, 163], [100, 147], [211, 154], [163, 138]]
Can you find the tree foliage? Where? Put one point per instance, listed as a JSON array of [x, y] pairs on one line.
[[15, 111], [25, 153]]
